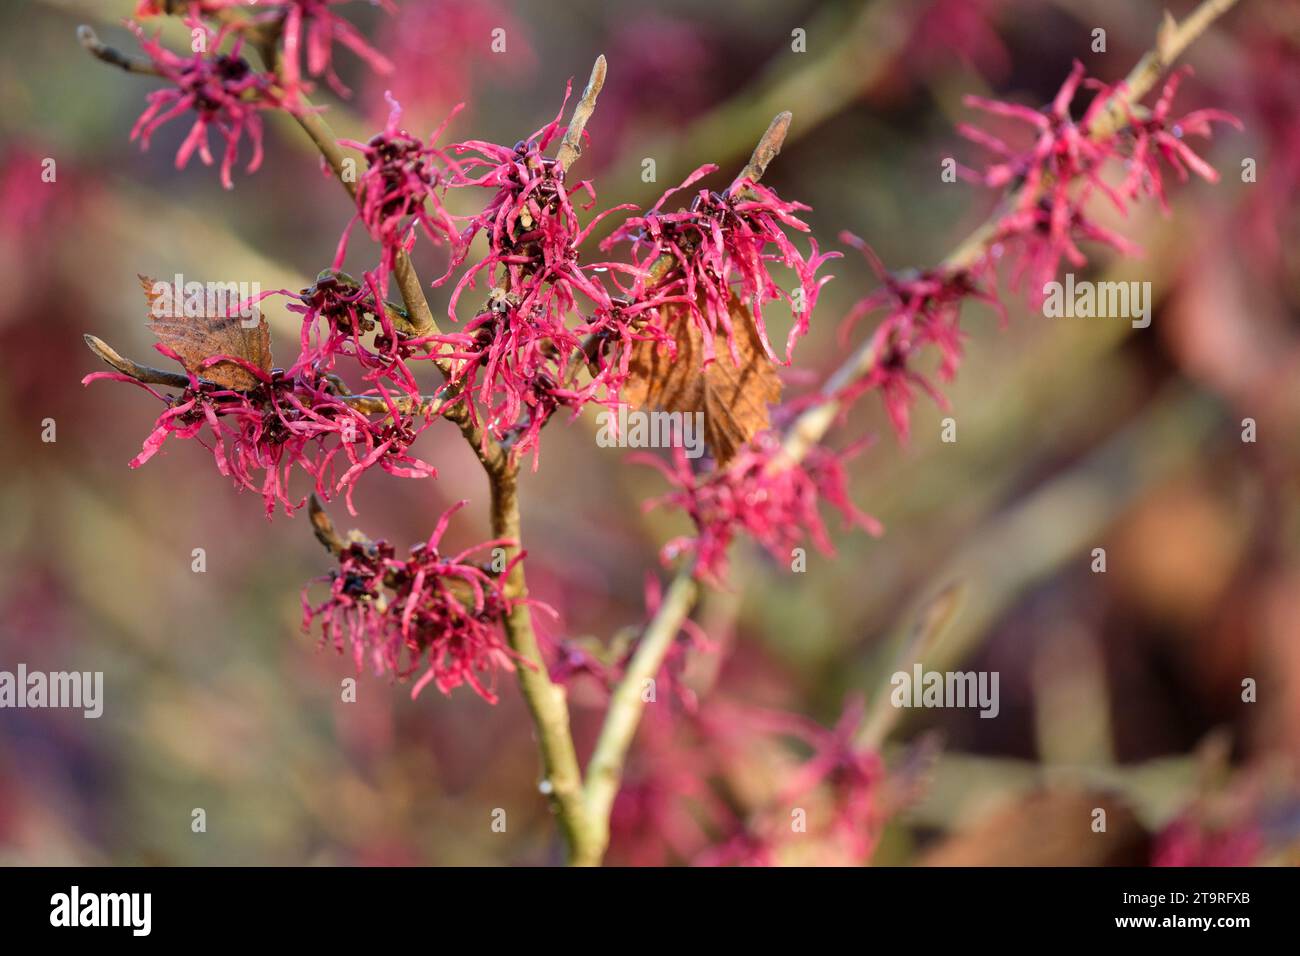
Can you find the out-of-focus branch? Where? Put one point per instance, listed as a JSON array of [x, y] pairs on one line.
[[930, 625], [1172, 39], [845, 59]]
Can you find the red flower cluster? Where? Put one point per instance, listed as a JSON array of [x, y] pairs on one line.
[[400, 195], [722, 246], [339, 315], [678, 782], [519, 357], [433, 611], [195, 9], [281, 422], [1054, 180], [852, 772], [920, 309], [225, 92], [441, 51], [1157, 137], [1062, 170], [312, 28], [1187, 841], [760, 492]]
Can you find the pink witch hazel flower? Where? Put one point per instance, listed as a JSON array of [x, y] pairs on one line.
[[1157, 137], [760, 493], [532, 227], [510, 366], [724, 245], [222, 88], [400, 194], [339, 316], [434, 611], [279, 422], [440, 54], [608, 665], [1056, 177], [518, 357], [1063, 169], [920, 309], [841, 783], [852, 773], [193, 8], [310, 29], [522, 367]]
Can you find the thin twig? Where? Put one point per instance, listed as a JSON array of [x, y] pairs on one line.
[[930, 626], [571, 146], [768, 148], [324, 527], [605, 771], [148, 375], [547, 701], [113, 57], [144, 374]]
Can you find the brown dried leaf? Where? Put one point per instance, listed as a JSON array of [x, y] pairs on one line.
[[196, 338], [733, 398]]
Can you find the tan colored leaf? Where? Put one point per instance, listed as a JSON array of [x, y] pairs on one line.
[[733, 398], [196, 338]]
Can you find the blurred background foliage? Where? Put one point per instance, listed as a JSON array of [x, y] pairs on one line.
[[1073, 435]]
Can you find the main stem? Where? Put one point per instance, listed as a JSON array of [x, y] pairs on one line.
[[561, 776]]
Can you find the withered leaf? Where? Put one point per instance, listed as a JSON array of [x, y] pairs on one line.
[[733, 398], [197, 337]]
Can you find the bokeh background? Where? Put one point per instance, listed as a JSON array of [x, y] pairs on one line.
[[1120, 689]]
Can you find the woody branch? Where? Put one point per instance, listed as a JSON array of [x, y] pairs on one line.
[[810, 428]]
